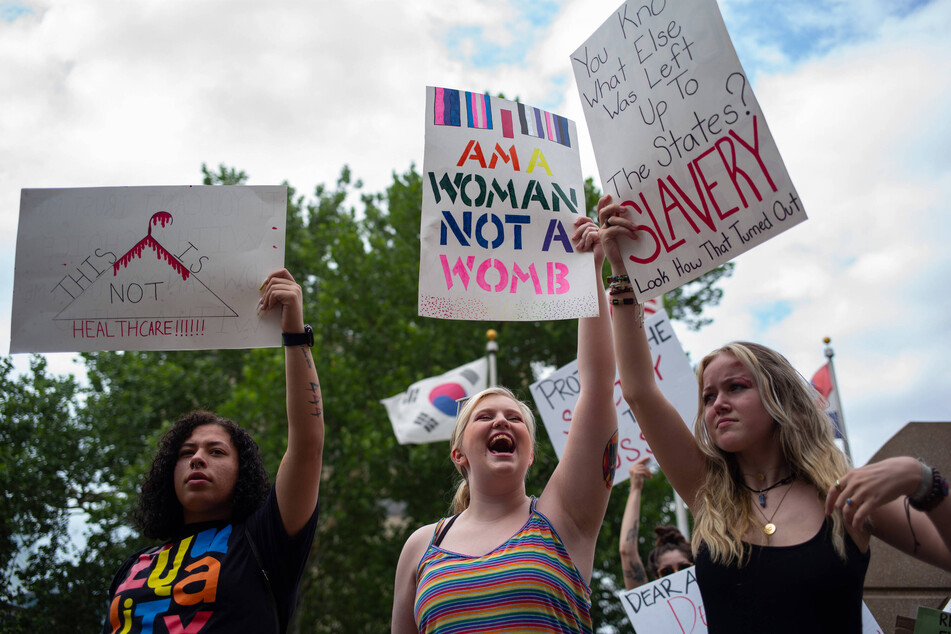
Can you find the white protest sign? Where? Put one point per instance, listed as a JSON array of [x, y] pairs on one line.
[[680, 140], [502, 187], [556, 395], [673, 605], [146, 268]]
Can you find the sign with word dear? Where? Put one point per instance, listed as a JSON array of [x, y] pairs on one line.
[[557, 394], [673, 605], [502, 187], [680, 141], [146, 268]]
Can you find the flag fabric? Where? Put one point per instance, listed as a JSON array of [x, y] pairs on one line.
[[822, 381], [426, 411]]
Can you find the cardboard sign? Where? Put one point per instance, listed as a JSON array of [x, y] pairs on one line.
[[146, 268], [931, 621], [673, 605], [556, 395], [502, 187], [680, 140]]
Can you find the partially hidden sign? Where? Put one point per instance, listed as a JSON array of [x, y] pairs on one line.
[[146, 268], [681, 141], [556, 395], [673, 605], [502, 187]]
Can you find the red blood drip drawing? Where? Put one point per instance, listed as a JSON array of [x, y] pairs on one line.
[[163, 218]]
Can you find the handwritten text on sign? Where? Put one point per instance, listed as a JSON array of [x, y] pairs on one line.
[[146, 268], [556, 395], [673, 605], [680, 140], [502, 187]]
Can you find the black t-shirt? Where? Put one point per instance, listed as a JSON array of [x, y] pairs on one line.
[[208, 580], [786, 589]]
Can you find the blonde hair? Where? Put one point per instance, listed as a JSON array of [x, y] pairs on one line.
[[724, 507], [460, 500]]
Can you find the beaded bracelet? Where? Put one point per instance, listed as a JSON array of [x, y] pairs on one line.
[[622, 301], [935, 493], [617, 289], [618, 278]]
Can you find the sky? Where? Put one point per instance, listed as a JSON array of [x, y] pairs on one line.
[[856, 94]]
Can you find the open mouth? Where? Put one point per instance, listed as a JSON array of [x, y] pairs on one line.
[[501, 444]]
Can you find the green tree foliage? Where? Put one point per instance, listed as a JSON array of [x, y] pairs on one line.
[[357, 256]]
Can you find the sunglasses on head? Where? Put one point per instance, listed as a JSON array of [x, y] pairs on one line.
[[669, 570]]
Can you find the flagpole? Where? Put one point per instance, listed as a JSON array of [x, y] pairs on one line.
[[491, 347], [835, 385]]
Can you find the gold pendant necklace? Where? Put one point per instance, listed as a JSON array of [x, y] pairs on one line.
[[770, 527]]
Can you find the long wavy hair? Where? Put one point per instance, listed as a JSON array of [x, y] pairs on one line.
[[159, 514], [669, 538], [724, 507], [460, 500]]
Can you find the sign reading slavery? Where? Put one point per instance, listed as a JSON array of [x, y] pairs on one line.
[[673, 605], [557, 394], [680, 140], [146, 268], [502, 187]]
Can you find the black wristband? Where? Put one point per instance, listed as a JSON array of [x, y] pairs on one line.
[[305, 338]]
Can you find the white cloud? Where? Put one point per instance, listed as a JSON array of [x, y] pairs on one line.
[[103, 93]]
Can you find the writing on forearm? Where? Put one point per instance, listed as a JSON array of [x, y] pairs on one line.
[[314, 388], [609, 461]]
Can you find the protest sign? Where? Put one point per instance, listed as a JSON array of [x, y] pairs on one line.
[[426, 411], [673, 605], [146, 268], [502, 187], [931, 621], [681, 141], [557, 394]]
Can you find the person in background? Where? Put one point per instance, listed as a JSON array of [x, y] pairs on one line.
[[671, 552], [234, 547]]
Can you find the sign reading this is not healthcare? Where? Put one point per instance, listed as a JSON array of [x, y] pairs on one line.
[[557, 394], [681, 141], [502, 187], [146, 268]]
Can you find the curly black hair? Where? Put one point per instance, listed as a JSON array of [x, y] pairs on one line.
[[159, 514]]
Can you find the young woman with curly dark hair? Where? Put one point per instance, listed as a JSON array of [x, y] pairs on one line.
[[234, 546]]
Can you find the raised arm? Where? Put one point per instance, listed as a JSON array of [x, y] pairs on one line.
[[878, 492], [577, 493], [298, 477], [631, 564], [674, 446]]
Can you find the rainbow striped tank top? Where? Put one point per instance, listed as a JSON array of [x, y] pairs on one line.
[[528, 584]]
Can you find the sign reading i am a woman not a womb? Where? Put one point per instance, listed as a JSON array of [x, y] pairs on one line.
[[502, 187], [681, 141]]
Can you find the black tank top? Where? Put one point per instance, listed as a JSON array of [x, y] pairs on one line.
[[794, 589]]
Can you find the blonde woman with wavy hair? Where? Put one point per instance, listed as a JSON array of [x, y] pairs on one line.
[[782, 523], [506, 561]]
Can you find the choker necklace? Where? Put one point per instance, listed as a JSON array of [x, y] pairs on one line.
[[762, 492], [770, 528]]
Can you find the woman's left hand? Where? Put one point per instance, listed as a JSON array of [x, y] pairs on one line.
[[859, 492], [280, 289], [587, 238]]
